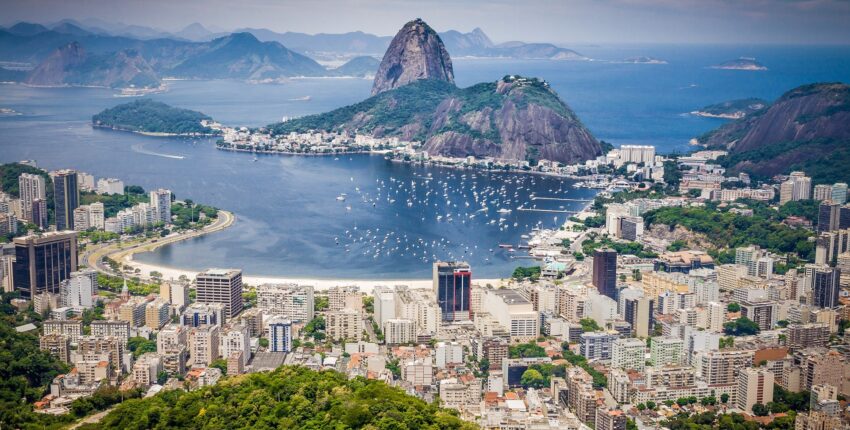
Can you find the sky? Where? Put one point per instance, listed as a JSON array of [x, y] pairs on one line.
[[569, 22]]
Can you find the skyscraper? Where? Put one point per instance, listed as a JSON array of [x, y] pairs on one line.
[[823, 284], [66, 196], [161, 203], [605, 272], [42, 262], [839, 193], [280, 335], [452, 285], [640, 314], [221, 286], [31, 188]]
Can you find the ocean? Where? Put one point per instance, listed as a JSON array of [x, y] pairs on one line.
[[395, 218]]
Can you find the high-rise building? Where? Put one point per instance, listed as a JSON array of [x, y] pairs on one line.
[[157, 314], [610, 419], [291, 301], [823, 284], [79, 290], [39, 213], [66, 198], [96, 216], [764, 313], [175, 293], [823, 192], [203, 344], [839, 193], [452, 286], [828, 216], [628, 354], [198, 314], [797, 187], [221, 286], [596, 345], [43, 261], [399, 331], [810, 335], [236, 339], [161, 203], [110, 186], [640, 313], [666, 351], [280, 335], [31, 187], [344, 297], [755, 386], [345, 324], [605, 272]]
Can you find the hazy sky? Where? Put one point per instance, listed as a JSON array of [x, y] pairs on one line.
[[566, 22]]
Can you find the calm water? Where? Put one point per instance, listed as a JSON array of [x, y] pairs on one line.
[[290, 222]]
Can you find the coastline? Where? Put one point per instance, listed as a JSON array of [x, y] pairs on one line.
[[153, 133], [125, 257]]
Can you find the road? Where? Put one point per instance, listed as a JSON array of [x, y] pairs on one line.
[[94, 256]]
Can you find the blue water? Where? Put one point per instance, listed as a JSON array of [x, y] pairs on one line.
[[289, 221]]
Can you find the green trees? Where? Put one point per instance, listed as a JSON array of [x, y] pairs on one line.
[[290, 397], [140, 345], [532, 273], [531, 378], [733, 307], [760, 410], [741, 327], [529, 349], [729, 230], [589, 324], [153, 117]]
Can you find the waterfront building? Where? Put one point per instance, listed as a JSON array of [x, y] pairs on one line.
[[66, 198], [43, 261], [222, 286], [161, 203], [452, 285], [605, 272], [110, 186]]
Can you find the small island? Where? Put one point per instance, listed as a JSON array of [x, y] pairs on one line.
[[154, 118], [743, 63], [733, 109], [644, 60]]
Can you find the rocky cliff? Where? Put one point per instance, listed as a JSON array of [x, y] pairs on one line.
[[416, 52], [807, 128]]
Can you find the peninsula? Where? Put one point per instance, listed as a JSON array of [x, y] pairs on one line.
[[150, 117], [732, 109]]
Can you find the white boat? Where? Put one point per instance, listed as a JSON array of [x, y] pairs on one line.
[[340, 198]]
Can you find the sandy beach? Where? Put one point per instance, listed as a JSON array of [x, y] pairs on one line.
[[365, 285]]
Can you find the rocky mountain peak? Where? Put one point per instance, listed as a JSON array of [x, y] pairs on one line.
[[415, 53]]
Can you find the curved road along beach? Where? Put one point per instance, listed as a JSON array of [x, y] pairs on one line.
[[94, 257]]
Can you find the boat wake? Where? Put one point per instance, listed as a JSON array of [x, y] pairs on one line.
[[141, 150]]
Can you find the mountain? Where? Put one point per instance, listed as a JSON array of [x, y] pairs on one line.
[[196, 33], [514, 118], [733, 109], [742, 63], [148, 116], [358, 66], [808, 128], [463, 44], [27, 29], [356, 42], [242, 56], [416, 52], [534, 51], [70, 65]]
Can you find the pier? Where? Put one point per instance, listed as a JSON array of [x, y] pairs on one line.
[[560, 199], [556, 211]]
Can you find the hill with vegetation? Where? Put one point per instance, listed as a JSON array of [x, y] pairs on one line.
[[148, 116], [289, 397], [808, 129], [514, 118], [733, 109], [361, 67]]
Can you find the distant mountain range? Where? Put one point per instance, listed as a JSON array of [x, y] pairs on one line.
[[97, 53]]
